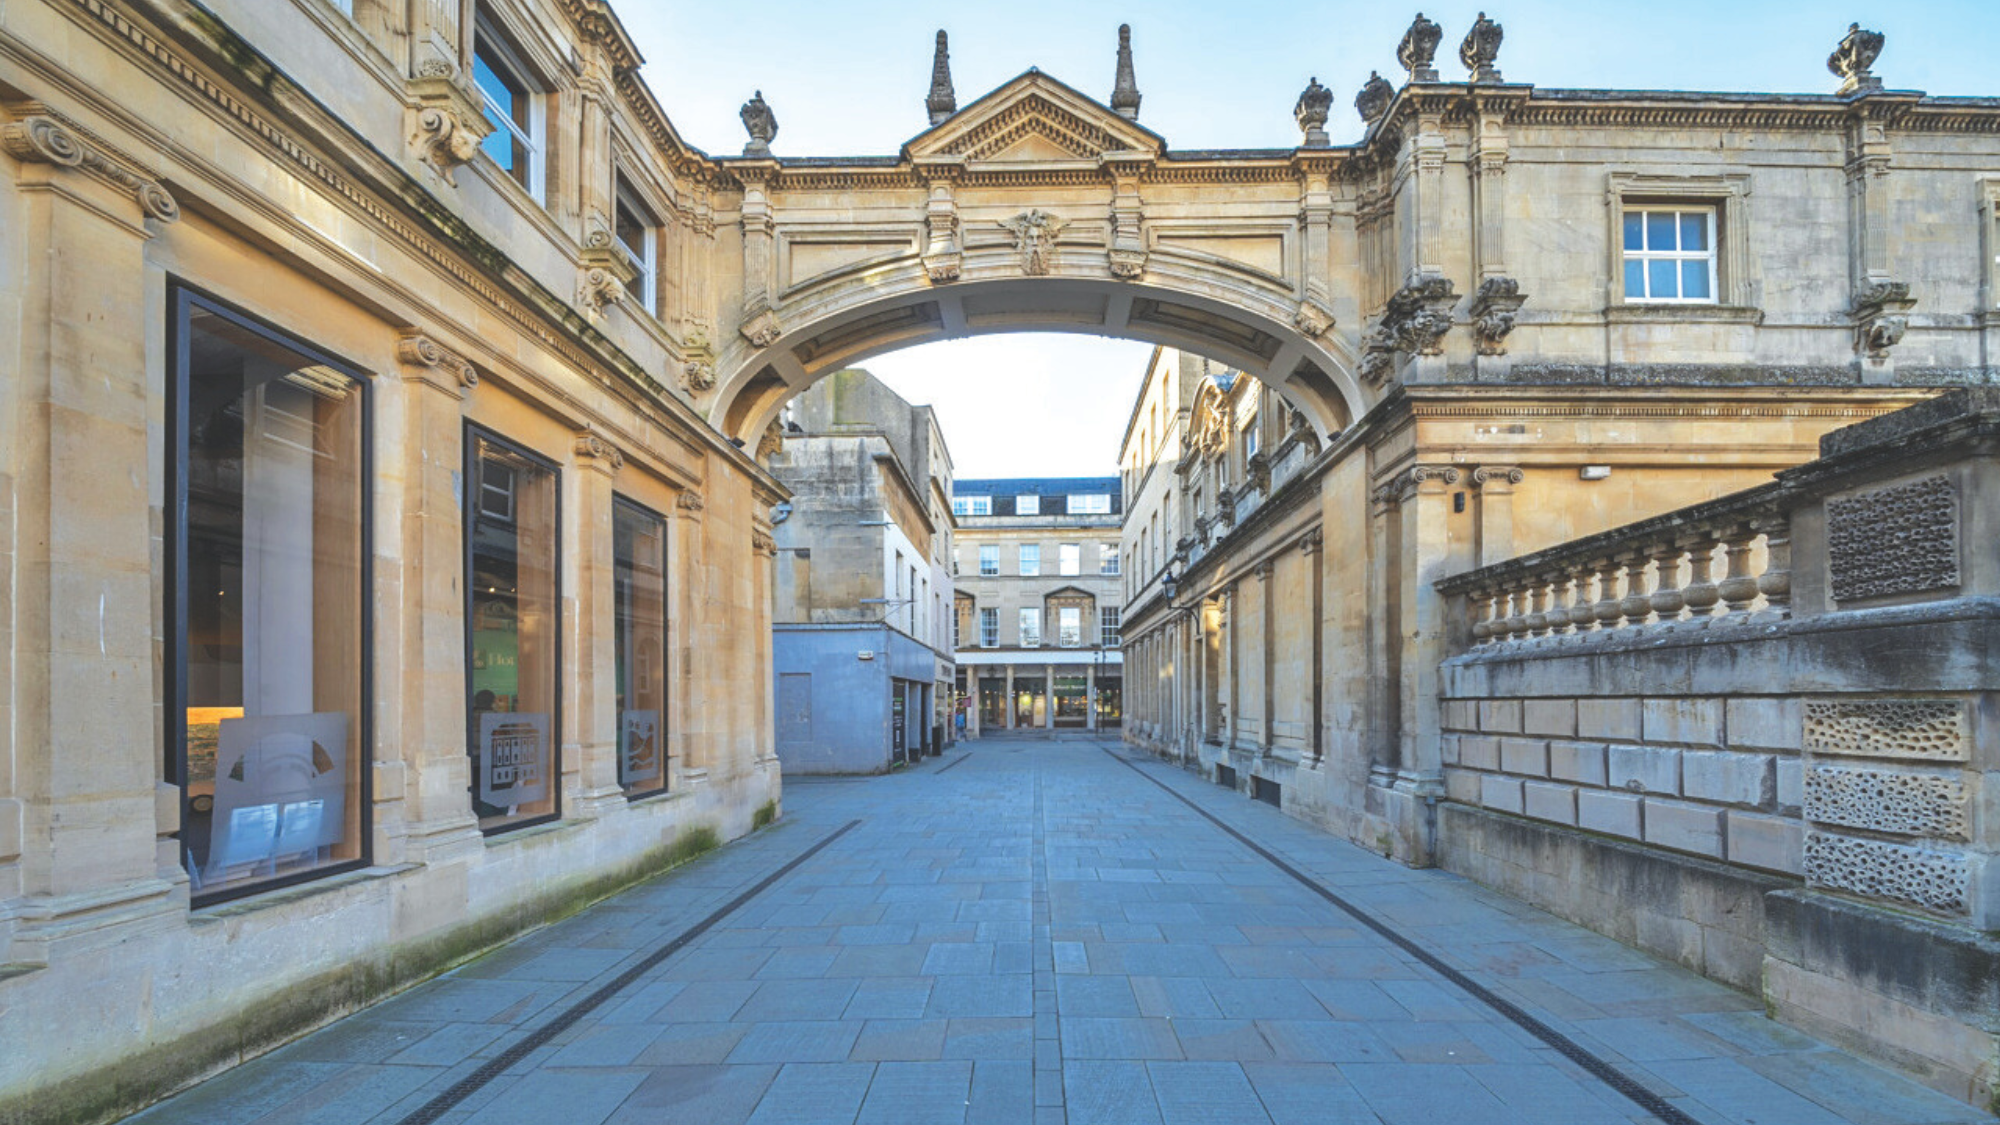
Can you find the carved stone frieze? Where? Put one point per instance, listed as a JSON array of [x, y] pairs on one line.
[[698, 363], [1373, 100], [1035, 232], [1880, 312], [690, 502], [1903, 539], [1917, 876], [1915, 730], [1418, 50], [598, 286], [39, 135], [1493, 310], [1481, 49], [764, 543], [433, 363], [1312, 318], [1851, 60], [593, 449], [1415, 321], [762, 328], [1311, 111]]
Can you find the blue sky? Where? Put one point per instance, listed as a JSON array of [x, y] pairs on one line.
[[849, 77]]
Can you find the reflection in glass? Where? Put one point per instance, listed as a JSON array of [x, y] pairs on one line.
[[639, 583], [513, 634], [269, 451], [1072, 692], [1694, 280]]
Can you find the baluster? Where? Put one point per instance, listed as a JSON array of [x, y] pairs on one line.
[[1667, 598], [1700, 591], [1559, 597], [1538, 618], [1636, 603], [1776, 581], [1738, 587], [1582, 610], [1479, 606], [1607, 592], [1517, 612]]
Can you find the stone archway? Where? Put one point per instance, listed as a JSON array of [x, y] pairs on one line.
[[1035, 208]]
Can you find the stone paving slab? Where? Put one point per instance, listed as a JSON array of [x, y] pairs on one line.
[[1047, 936]]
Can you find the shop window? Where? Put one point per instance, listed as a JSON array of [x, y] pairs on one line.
[[639, 635], [268, 613], [513, 636], [515, 103]]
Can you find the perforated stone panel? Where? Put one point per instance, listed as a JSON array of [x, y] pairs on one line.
[[1925, 730], [1897, 540], [1899, 872], [1915, 804]]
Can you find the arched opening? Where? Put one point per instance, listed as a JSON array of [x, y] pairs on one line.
[[1311, 372]]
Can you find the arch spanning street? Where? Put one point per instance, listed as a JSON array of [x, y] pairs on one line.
[[1051, 931]]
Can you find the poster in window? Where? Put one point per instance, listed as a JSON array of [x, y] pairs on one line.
[[280, 787], [513, 757], [640, 753]]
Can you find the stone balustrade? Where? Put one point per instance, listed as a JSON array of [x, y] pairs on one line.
[[1727, 558]]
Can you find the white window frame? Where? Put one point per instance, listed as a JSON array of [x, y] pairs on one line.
[[535, 137], [989, 559], [1069, 626], [1069, 560], [1028, 568], [647, 263], [1646, 257], [972, 505], [1090, 504], [989, 627], [1250, 438], [1107, 560], [1025, 505], [1107, 626], [1031, 628]]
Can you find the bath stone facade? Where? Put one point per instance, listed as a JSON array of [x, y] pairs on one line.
[[1037, 609], [276, 272]]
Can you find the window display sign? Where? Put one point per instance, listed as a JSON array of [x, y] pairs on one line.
[[280, 788], [639, 754], [513, 758]]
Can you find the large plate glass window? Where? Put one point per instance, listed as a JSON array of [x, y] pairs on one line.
[[268, 614], [639, 579], [513, 635], [515, 104], [1669, 254]]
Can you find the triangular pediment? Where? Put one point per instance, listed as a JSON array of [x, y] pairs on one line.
[[1033, 119]]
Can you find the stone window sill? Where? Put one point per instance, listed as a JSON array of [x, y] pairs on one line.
[[1637, 313]]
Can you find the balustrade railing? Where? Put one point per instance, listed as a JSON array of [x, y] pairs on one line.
[[1729, 558]]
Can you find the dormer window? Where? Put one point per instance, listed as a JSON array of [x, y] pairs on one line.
[[516, 105]]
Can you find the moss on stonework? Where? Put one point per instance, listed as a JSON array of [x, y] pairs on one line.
[[288, 1011], [767, 813]]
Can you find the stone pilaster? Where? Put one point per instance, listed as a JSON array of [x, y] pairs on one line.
[[438, 818], [590, 753], [1496, 511], [686, 578], [77, 481]]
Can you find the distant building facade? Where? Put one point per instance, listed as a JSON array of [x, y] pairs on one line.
[[1037, 604], [861, 635]]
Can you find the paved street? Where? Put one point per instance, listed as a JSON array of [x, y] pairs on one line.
[[1036, 932]]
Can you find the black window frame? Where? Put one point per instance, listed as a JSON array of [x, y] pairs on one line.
[[667, 787], [469, 461], [181, 299]]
